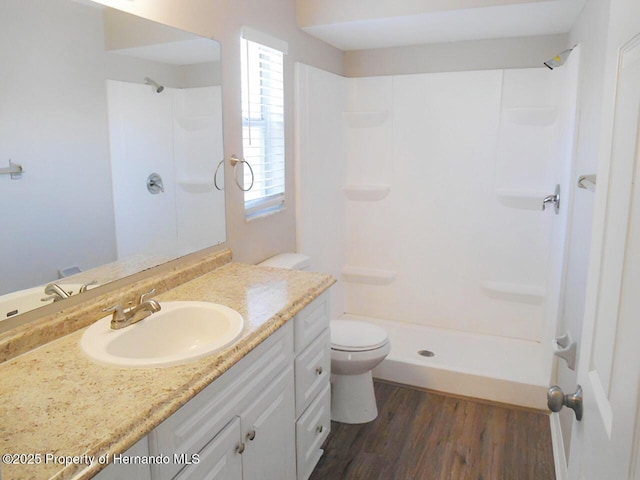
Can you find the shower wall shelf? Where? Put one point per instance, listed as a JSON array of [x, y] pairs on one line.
[[367, 276], [532, 116], [514, 292], [523, 199], [13, 169], [368, 119], [366, 193]]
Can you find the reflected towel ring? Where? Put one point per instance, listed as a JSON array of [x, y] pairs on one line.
[[235, 161], [215, 176]]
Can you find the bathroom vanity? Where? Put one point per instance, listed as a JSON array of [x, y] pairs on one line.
[[242, 426], [257, 409]]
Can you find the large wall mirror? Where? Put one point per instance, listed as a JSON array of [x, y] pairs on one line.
[[116, 124]]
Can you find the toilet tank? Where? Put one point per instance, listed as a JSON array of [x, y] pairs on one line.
[[289, 261]]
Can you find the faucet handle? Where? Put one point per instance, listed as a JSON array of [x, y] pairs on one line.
[[86, 286], [118, 312], [143, 297]]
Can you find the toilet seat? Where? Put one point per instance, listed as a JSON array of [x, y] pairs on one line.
[[356, 336]]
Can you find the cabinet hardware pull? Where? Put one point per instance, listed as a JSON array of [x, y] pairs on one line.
[[240, 448], [319, 429], [251, 435], [319, 370]]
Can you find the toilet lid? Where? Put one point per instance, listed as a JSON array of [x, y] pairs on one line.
[[353, 336]]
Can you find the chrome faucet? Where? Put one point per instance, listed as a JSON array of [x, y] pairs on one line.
[[125, 316], [55, 292]]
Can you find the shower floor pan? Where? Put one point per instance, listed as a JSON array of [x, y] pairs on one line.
[[499, 369]]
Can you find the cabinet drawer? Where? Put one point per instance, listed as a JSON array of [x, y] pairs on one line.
[[189, 429], [311, 430], [311, 321], [312, 369]]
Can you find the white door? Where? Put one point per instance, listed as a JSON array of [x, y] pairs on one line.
[[606, 443]]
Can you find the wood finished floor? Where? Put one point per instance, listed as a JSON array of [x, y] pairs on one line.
[[421, 435]]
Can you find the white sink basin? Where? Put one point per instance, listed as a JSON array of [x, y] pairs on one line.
[[179, 333]]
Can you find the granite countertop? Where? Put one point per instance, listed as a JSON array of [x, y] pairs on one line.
[[57, 401]]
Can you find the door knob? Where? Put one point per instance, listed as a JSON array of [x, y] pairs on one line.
[[556, 399]]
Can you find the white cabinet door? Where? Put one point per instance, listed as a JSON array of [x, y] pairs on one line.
[[268, 427], [118, 471], [194, 425], [220, 459]]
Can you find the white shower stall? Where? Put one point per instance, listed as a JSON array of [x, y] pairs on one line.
[[423, 195], [176, 134]]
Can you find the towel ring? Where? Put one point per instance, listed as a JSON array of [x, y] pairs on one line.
[[215, 176], [235, 161]]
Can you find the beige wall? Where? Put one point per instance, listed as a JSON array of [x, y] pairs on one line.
[[223, 20], [501, 53]]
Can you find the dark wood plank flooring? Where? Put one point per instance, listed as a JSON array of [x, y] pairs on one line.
[[421, 435]]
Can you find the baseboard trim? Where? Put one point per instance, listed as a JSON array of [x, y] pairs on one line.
[[559, 458]]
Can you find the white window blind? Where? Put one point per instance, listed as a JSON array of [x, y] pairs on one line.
[[263, 127]]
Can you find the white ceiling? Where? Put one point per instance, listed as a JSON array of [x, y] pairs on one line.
[[520, 19]]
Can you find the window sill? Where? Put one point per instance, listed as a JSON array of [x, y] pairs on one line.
[[264, 214]]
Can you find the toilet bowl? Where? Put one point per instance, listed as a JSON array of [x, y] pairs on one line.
[[356, 348]]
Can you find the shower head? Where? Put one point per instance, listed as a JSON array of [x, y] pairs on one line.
[[559, 59], [159, 88]]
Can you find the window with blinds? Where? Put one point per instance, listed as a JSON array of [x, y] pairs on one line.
[[263, 127]]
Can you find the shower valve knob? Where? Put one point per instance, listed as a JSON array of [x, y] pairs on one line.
[[553, 199], [154, 184]]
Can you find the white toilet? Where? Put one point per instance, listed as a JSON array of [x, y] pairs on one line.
[[356, 348]]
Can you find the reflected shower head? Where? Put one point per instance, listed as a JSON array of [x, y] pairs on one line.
[[159, 88], [559, 59]]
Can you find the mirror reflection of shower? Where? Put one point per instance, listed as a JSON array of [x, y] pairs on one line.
[[177, 138], [159, 88]]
